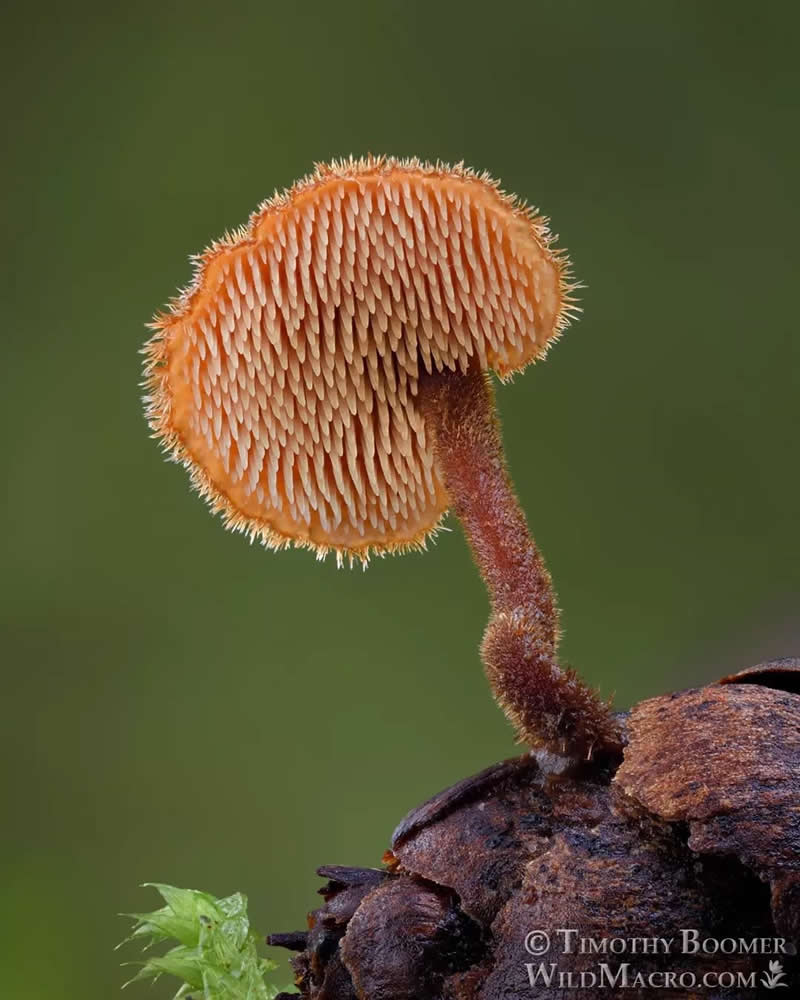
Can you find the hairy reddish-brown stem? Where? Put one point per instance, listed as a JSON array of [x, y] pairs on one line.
[[549, 707]]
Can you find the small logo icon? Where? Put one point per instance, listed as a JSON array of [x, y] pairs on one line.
[[772, 979], [537, 943]]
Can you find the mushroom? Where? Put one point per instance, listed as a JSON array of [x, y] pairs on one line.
[[324, 378]]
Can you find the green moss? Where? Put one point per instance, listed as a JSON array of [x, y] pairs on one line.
[[216, 954]]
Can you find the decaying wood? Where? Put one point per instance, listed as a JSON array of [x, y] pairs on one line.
[[698, 828]]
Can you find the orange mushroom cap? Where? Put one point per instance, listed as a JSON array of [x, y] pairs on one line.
[[285, 377]]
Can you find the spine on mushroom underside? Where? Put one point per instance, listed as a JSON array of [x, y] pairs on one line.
[[548, 706]]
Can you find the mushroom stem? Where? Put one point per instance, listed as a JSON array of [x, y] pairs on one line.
[[549, 707]]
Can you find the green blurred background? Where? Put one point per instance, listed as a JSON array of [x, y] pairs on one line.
[[179, 705]]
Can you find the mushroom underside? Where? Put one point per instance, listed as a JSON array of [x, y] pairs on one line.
[[285, 377]]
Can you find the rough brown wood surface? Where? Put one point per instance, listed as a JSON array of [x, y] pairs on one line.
[[699, 828]]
